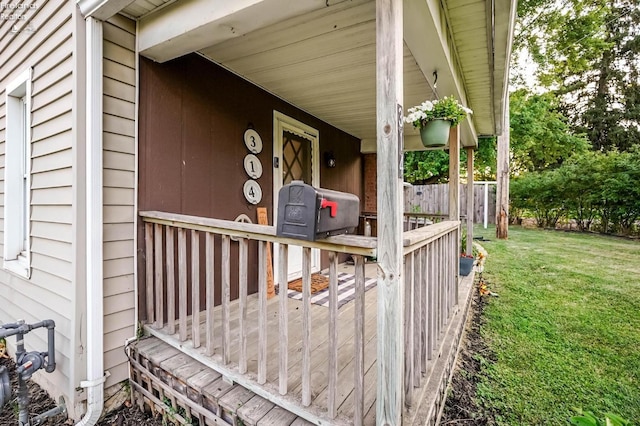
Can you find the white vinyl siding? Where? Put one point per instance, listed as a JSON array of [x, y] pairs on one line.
[[119, 125], [49, 293]]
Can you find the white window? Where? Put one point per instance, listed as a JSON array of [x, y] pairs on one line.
[[17, 175]]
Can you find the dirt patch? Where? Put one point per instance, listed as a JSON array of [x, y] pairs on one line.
[[40, 401], [461, 407]]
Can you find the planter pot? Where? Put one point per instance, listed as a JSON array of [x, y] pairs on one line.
[[435, 133], [466, 265]]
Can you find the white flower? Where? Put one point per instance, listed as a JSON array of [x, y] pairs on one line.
[[447, 108], [427, 105]]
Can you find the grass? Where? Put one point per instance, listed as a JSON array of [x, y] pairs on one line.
[[565, 329]]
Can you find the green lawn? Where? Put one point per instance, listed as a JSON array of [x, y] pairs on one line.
[[565, 329]]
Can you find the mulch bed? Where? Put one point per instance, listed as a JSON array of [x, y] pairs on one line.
[[40, 401], [461, 407]]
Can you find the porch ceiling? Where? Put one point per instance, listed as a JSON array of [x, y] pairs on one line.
[[323, 62], [322, 59]]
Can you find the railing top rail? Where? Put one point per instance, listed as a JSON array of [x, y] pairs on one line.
[[419, 237], [351, 244], [425, 214], [430, 215]]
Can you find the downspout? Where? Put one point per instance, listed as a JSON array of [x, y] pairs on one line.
[[94, 280]]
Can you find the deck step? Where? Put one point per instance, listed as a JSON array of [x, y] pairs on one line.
[[182, 390]]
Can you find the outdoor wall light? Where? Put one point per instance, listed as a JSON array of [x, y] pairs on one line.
[[330, 159]]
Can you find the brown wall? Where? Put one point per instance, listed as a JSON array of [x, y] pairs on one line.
[[192, 118]]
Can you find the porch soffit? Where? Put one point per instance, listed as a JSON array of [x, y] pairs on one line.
[[323, 60], [483, 38]]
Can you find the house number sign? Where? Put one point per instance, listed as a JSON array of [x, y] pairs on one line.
[[253, 166], [253, 141], [252, 191]]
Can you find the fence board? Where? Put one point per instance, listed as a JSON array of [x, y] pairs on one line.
[[434, 199]]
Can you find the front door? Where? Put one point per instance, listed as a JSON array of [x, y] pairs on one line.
[[295, 151]]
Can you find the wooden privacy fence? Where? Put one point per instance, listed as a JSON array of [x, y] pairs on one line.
[[434, 200]]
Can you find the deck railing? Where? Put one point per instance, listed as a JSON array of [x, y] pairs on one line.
[[167, 233], [182, 268], [431, 288]]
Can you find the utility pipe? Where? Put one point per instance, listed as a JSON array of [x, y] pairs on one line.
[[94, 282]]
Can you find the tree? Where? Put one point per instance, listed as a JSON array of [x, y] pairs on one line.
[[586, 52], [540, 135], [425, 167]]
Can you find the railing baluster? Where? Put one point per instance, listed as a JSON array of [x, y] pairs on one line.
[[171, 280], [195, 288], [452, 249], [449, 256], [210, 291], [333, 334], [148, 236], [433, 282], [159, 284], [441, 285], [243, 265], [409, 287], [417, 315], [445, 285], [424, 307], [284, 317], [436, 296], [358, 370], [456, 272], [262, 315], [182, 283], [226, 296], [306, 326]]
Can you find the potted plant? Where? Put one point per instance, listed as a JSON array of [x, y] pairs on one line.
[[434, 119], [466, 261]]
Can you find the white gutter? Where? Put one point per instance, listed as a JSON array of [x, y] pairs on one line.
[[94, 346], [102, 9]]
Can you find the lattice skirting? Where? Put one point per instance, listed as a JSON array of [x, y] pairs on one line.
[[171, 398]]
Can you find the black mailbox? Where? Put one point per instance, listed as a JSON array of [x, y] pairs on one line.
[[309, 213]]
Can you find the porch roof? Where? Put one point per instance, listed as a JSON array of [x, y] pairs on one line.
[[320, 54]]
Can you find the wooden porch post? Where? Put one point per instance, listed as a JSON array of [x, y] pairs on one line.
[[470, 200], [454, 197], [454, 174], [502, 172], [389, 42]]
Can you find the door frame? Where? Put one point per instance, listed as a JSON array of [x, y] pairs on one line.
[[283, 123]]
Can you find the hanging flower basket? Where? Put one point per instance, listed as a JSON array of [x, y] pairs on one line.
[[435, 133], [434, 119]]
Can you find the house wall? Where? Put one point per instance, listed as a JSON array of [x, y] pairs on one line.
[[193, 115], [50, 292], [119, 159]]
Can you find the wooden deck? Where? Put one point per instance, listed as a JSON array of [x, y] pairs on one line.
[[319, 363], [186, 377], [319, 349]]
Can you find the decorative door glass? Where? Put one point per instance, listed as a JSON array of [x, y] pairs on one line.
[[296, 158]]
